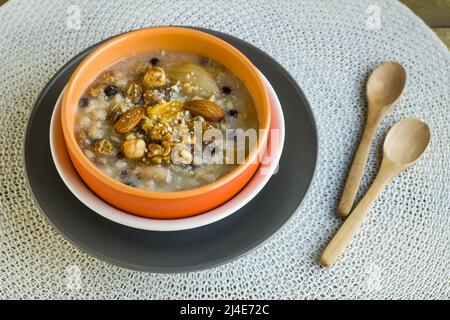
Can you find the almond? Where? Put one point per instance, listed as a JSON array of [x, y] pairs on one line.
[[129, 120], [206, 109]]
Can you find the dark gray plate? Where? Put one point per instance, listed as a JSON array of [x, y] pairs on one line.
[[178, 251]]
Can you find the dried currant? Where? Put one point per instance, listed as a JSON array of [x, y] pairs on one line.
[[204, 60], [84, 102], [154, 62], [123, 174], [130, 184], [111, 91], [120, 155], [233, 113], [226, 90]]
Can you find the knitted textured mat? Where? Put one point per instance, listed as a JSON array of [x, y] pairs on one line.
[[403, 249]]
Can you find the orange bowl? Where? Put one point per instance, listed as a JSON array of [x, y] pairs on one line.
[[164, 205]]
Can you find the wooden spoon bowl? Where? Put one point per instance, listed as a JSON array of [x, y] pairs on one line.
[[385, 86], [407, 141]]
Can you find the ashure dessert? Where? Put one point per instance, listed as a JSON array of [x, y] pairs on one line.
[[165, 121]]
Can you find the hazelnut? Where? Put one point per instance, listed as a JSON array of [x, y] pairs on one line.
[[134, 148], [155, 77]]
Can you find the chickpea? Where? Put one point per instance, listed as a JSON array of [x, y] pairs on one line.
[[155, 77], [134, 148]]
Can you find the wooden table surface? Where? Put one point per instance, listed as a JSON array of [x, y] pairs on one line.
[[436, 13]]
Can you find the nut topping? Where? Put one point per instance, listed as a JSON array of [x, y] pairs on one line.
[[134, 148], [133, 91], [206, 109], [129, 120], [104, 147], [155, 77]]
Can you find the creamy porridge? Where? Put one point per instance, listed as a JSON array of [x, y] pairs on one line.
[[139, 121]]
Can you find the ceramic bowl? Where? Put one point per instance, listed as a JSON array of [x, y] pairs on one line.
[[165, 205]]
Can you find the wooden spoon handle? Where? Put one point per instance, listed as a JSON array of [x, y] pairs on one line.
[[352, 224], [357, 168]]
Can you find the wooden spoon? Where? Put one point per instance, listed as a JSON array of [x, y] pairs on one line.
[[404, 144], [383, 90]]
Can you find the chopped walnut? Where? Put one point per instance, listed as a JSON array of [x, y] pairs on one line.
[[104, 148]]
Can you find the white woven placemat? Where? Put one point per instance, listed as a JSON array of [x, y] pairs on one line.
[[403, 249]]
